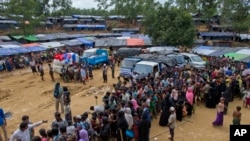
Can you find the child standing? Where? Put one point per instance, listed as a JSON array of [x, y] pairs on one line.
[[237, 116], [172, 123]]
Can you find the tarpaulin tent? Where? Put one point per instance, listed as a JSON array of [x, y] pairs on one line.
[[45, 37], [49, 45], [86, 42], [10, 46], [30, 45], [71, 43], [223, 51], [20, 50], [236, 56], [110, 42], [36, 49], [204, 50], [6, 52], [90, 27], [10, 43], [31, 38], [135, 42], [244, 51], [245, 60], [5, 38]]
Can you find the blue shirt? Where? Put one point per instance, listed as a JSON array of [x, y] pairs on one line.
[[2, 117]]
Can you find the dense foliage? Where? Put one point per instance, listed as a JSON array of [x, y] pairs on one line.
[[168, 23]]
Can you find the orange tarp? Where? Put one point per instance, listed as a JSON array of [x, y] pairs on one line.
[[135, 42], [30, 45]]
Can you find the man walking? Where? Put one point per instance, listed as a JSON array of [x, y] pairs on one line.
[[41, 70], [3, 124], [51, 73], [58, 91], [113, 70], [104, 73], [83, 75]]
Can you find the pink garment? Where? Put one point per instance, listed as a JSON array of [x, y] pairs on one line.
[[135, 105], [190, 95], [44, 139]]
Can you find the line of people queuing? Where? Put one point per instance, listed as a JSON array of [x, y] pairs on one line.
[[128, 110]]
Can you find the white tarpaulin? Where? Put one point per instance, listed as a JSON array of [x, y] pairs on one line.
[[204, 51], [52, 45], [9, 46], [244, 51]]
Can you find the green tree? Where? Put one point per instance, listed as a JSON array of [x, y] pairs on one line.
[[24, 16], [60, 7], [128, 8], [188, 5], [209, 8], [235, 15], [43, 7], [169, 25]]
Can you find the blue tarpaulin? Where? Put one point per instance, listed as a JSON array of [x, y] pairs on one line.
[[19, 50], [216, 34], [6, 52], [95, 27], [86, 42], [36, 49]]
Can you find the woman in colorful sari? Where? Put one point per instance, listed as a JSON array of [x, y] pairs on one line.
[[220, 113]]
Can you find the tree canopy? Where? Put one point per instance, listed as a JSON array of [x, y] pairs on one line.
[[170, 26]]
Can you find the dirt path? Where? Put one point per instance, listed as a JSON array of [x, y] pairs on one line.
[[25, 94]]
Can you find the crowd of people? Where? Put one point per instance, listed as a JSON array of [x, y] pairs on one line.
[[128, 110]]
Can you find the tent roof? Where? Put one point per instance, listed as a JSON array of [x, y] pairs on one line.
[[110, 42], [36, 48], [10, 43], [10, 46], [19, 50], [45, 37], [51, 45], [224, 51], [135, 42], [244, 51], [216, 34], [85, 41], [31, 38], [236, 56], [6, 38], [6, 52], [17, 37], [30, 45], [71, 42]]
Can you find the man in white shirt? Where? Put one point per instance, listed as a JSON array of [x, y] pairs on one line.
[[23, 133]]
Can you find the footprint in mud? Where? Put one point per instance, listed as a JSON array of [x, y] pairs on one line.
[[21, 81], [48, 92], [32, 82]]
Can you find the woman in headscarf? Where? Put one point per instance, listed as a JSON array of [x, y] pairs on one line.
[[129, 118], [210, 98], [144, 128], [135, 104], [122, 126], [165, 105], [83, 135], [105, 130], [190, 100]]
